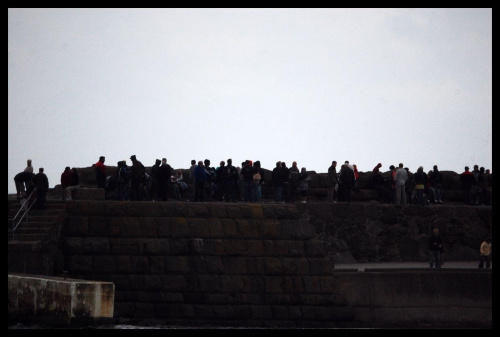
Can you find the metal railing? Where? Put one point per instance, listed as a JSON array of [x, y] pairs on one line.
[[23, 212]]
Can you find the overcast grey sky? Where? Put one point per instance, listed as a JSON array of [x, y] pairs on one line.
[[306, 85]]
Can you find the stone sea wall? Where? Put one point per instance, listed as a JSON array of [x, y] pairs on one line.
[[273, 265]]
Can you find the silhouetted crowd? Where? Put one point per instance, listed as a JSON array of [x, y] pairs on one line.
[[244, 183]]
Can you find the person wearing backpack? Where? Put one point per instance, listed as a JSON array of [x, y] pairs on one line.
[[122, 180]]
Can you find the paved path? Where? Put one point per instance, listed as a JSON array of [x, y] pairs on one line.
[[400, 265]]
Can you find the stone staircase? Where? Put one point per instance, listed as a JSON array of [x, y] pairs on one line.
[[29, 247]]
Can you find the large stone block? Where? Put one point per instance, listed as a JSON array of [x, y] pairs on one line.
[[85, 193]]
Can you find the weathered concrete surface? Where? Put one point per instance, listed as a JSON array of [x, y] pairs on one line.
[[58, 301]]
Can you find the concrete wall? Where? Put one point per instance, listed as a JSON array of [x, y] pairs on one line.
[[264, 265], [58, 301]]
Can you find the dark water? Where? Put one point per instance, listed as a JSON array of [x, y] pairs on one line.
[[21, 326]]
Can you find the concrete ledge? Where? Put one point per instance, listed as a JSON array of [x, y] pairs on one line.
[[86, 193], [442, 270], [58, 301]]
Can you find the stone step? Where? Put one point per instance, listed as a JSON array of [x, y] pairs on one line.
[[48, 205], [36, 224], [23, 246], [55, 211], [37, 218], [33, 230], [27, 237]]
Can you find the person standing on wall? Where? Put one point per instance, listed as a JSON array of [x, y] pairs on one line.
[[41, 183], [75, 183], [29, 168], [100, 172], [230, 178], [277, 180], [400, 179], [191, 179], [165, 172], [347, 180], [293, 183], [304, 179], [65, 181], [22, 181], [200, 176]]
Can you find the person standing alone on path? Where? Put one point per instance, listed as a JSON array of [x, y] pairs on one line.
[[400, 179], [435, 245], [485, 251]]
